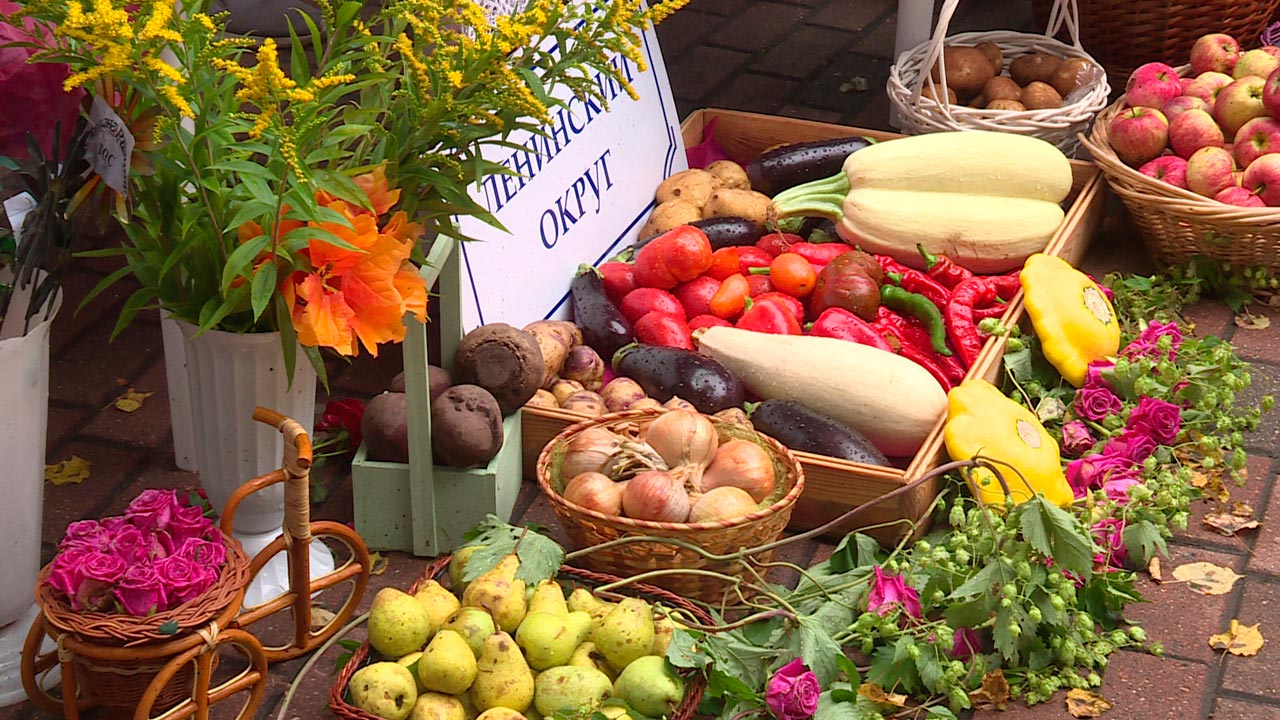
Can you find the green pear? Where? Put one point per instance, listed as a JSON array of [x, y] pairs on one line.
[[473, 624], [570, 689], [586, 655], [438, 602], [650, 687], [504, 678], [398, 624], [500, 713], [458, 567], [410, 661], [447, 665], [547, 640], [663, 630], [437, 706], [548, 597], [579, 624], [385, 689], [499, 592], [626, 633], [581, 599]]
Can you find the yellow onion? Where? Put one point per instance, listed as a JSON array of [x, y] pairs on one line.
[[723, 503], [656, 495], [595, 491], [741, 464], [683, 437], [588, 451]]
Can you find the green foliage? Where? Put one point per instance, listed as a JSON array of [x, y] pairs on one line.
[[540, 556]]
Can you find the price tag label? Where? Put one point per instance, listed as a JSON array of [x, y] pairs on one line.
[[109, 147], [16, 208]]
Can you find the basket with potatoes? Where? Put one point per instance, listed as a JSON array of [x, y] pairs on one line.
[[499, 648], [1001, 81]]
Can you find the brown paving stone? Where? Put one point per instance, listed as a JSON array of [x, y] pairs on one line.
[[720, 7], [1139, 686], [1232, 709], [1256, 675], [880, 38], [147, 426], [980, 17], [1261, 344], [755, 93], [822, 91], [63, 423], [805, 50], [677, 37], [852, 16], [874, 115], [702, 71], [1266, 548], [112, 468], [1265, 440], [87, 373], [103, 309], [808, 113], [759, 27], [799, 553], [1211, 317], [1254, 491], [1179, 618], [540, 512]]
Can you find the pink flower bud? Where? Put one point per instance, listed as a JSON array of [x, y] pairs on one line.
[[793, 692]]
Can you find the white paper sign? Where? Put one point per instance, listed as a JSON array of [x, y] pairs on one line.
[[16, 208], [584, 193], [109, 146]]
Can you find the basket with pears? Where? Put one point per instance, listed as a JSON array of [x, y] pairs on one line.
[[502, 648]]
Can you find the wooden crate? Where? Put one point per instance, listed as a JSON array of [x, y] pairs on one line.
[[834, 486]]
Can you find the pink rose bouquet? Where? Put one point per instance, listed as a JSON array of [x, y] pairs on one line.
[[159, 554]]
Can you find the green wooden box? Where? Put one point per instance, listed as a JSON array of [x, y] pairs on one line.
[[419, 507]]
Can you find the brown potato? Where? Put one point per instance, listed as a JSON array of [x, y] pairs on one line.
[[1035, 67], [670, 214], [693, 186], [1040, 96], [932, 92], [731, 174], [730, 202], [993, 53], [967, 70], [1074, 73], [1006, 105], [1001, 88]]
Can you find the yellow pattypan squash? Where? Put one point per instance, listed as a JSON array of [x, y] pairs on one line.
[[1071, 315]]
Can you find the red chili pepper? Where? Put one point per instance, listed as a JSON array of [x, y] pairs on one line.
[[943, 269], [696, 295], [619, 278], [730, 299], [791, 304], [820, 253], [705, 321], [901, 327], [913, 280], [928, 362], [678, 255], [841, 324], [752, 257], [659, 328], [644, 300], [991, 311], [1007, 285], [776, 243], [962, 329], [724, 262], [889, 265], [760, 284], [769, 317]]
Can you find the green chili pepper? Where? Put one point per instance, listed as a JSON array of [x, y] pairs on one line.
[[922, 309]]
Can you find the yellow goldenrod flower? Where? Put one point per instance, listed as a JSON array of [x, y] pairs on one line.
[[157, 26], [165, 70], [205, 21]]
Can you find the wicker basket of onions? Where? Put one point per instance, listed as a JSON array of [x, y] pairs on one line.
[[710, 481]]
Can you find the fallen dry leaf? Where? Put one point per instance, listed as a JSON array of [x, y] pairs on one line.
[[1228, 524], [131, 400], [1084, 704], [1153, 568], [993, 694], [74, 469], [320, 618], [1199, 479], [1242, 509], [1249, 321], [1206, 578], [876, 694], [377, 563], [1238, 639]]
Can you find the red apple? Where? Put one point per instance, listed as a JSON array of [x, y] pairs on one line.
[[1255, 62], [1271, 94], [1209, 171], [1239, 196], [1169, 168], [1152, 85], [1206, 86], [1139, 134], [1271, 50], [1262, 178], [1182, 103], [1238, 103], [1191, 130], [1216, 51], [1254, 139]]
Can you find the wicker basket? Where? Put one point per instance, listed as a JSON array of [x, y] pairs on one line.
[[1177, 224], [121, 684], [695, 683], [587, 528], [1123, 34], [918, 113]]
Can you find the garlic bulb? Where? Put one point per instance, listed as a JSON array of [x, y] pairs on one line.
[[741, 464], [594, 491], [683, 437], [723, 503], [588, 451], [655, 495]]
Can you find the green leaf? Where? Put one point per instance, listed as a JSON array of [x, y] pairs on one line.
[[298, 65], [892, 666], [264, 288], [831, 709], [241, 259], [1005, 641], [982, 582], [930, 668], [849, 669], [540, 556], [288, 336], [940, 713], [168, 628], [818, 649], [1143, 541], [683, 652], [342, 187], [1057, 534]]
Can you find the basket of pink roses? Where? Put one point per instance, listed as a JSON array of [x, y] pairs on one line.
[[140, 580]]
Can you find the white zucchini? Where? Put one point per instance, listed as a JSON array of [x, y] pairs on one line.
[[890, 399]]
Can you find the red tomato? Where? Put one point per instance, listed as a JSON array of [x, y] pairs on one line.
[[642, 301]]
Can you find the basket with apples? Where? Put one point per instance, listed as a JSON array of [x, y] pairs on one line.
[[1194, 153]]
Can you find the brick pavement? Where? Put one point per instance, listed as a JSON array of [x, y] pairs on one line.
[[791, 57]]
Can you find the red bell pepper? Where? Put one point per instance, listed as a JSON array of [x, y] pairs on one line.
[[731, 298], [791, 304], [841, 324], [644, 300], [776, 243], [678, 255], [618, 278], [705, 321], [760, 284], [820, 253], [752, 257], [724, 262], [659, 328], [769, 317], [696, 295]]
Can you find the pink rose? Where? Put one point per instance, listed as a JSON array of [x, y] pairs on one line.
[[1130, 445], [141, 592], [888, 591], [99, 573], [1096, 374], [188, 522], [1110, 535], [1117, 487], [183, 579], [1076, 438], [1088, 473], [793, 692], [204, 553], [131, 544], [152, 509], [1145, 344], [85, 533], [113, 523], [1096, 403], [345, 414], [65, 573], [1159, 419], [966, 643], [31, 93]]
